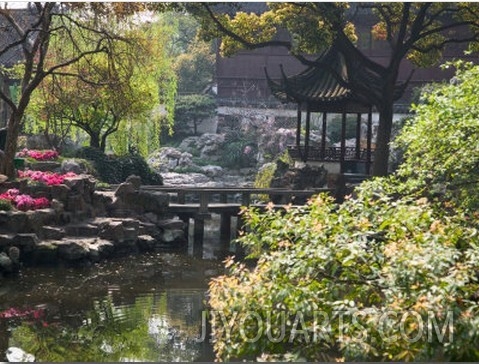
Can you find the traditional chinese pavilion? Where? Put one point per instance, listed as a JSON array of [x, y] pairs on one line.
[[323, 89]]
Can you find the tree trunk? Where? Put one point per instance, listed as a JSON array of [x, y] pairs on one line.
[[94, 140], [13, 130], [103, 142], [381, 154]]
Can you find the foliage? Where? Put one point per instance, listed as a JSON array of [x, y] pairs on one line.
[[102, 186], [191, 110], [111, 332], [195, 69], [370, 257], [334, 128], [238, 150], [441, 141], [418, 32], [265, 175], [110, 91], [5, 205], [48, 22], [116, 169], [195, 58], [388, 275]]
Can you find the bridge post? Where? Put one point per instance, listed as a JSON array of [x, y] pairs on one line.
[[199, 233], [181, 197], [225, 231], [198, 236]]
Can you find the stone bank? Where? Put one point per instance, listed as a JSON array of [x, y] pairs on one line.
[[85, 225]]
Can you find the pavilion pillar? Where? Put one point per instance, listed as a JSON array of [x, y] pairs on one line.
[[306, 137], [298, 127], [368, 142], [343, 141], [323, 136], [358, 137]]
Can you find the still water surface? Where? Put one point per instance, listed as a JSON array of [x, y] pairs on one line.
[[140, 308]]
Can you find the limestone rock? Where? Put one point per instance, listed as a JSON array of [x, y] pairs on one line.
[[46, 252], [171, 224], [212, 171], [135, 181], [100, 248], [17, 355], [6, 263], [26, 241], [146, 242], [70, 165], [124, 189], [112, 230], [14, 254], [190, 179], [39, 218], [171, 236], [6, 240], [73, 249], [82, 229], [60, 192], [14, 221], [52, 232]]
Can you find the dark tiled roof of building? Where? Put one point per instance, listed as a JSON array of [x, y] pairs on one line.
[[322, 88]]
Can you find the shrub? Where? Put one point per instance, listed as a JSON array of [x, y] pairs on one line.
[[368, 259], [5, 205], [238, 151], [114, 169], [441, 141]]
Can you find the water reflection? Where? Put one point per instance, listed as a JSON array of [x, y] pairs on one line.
[[144, 308]]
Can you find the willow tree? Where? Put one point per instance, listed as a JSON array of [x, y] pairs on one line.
[[112, 90], [418, 32], [29, 34]]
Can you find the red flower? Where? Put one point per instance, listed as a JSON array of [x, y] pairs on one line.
[[49, 178], [39, 155], [24, 202]]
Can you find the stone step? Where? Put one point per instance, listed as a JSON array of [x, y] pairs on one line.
[[74, 249], [51, 232], [82, 230]]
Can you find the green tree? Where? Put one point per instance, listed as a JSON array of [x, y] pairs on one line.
[[418, 32], [195, 68], [441, 141], [32, 39], [192, 109], [116, 88]]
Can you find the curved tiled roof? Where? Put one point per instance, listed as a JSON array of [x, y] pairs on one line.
[[322, 88]]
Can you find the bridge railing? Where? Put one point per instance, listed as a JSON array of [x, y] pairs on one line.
[[204, 196]]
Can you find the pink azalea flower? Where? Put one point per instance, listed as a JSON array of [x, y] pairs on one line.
[[24, 202], [40, 155], [49, 178]]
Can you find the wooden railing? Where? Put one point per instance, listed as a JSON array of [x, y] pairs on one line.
[[329, 154], [203, 197]]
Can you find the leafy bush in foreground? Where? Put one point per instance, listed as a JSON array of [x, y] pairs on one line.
[[360, 268], [390, 274]]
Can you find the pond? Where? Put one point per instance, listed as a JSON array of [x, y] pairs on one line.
[[144, 307]]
